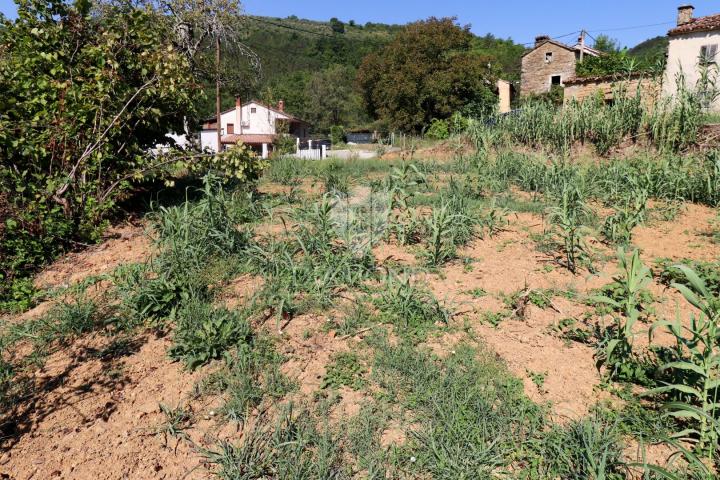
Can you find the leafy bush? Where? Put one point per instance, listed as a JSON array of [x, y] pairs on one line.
[[238, 163], [337, 134], [438, 129], [616, 63], [69, 148]]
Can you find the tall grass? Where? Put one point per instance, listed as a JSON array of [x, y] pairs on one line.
[[669, 124], [670, 177]]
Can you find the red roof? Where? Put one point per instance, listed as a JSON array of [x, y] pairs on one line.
[[249, 139], [700, 24]]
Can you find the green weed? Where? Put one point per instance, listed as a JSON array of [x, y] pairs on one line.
[[345, 370]]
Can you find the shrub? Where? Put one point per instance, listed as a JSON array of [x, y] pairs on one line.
[[438, 129], [337, 134], [59, 181]]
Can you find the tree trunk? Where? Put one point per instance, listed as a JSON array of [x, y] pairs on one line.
[[217, 91]]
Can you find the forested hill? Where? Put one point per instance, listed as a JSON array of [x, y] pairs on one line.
[[651, 48], [291, 44], [312, 65]]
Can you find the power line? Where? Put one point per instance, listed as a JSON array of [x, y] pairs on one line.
[[601, 30], [554, 37], [637, 27]]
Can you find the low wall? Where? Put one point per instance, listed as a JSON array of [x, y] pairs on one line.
[[583, 88]]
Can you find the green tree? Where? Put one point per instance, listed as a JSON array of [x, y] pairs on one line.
[[337, 26], [331, 98], [606, 44], [505, 55], [428, 71], [84, 99]]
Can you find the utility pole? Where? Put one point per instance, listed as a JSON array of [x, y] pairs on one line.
[[582, 45], [217, 91]]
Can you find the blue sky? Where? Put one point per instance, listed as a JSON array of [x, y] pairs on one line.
[[521, 20]]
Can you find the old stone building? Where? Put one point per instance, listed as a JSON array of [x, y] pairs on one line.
[[550, 63], [606, 87]]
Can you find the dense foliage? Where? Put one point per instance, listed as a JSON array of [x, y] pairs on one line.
[[295, 52], [648, 58], [618, 63], [505, 55], [84, 98], [428, 71]]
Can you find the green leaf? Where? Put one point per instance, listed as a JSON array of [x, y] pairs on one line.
[[684, 366]]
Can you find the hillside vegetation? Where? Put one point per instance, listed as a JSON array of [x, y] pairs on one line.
[[312, 65]]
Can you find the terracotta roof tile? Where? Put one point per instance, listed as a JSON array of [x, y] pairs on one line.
[[700, 24]]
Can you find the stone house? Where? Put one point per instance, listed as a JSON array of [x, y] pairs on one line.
[[693, 46], [550, 63]]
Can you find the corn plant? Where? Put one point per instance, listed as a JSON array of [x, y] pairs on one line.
[[695, 381], [402, 183], [493, 221], [569, 216], [440, 236], [617, 351], [618, 227], [406, 226]]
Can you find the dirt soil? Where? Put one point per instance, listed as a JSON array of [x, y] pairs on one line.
[[98, 414]]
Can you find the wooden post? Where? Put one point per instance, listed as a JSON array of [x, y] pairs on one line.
[[217, 92]]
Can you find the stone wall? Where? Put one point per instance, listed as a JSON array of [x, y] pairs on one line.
[[536, 72], [581, 89]]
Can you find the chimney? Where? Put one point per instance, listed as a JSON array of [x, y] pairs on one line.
[[685, 14], [238, 115], [541, 39], [281, 106]]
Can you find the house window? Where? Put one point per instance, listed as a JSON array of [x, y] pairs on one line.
[[556, 80], [707, 54], [253, 110], [548, 57], [230, 128]]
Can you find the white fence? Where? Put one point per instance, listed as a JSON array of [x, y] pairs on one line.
[[310, 153]]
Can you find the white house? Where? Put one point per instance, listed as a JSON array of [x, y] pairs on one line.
[[693, 45], [253, 124]]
